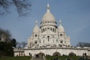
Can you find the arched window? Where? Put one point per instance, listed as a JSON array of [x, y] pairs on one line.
[[36, 35], [53, 29], [48, 37], [61, 41], [35, 42], [60, 34]]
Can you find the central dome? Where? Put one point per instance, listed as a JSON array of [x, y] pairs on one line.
[[48, 19], [48, 15]]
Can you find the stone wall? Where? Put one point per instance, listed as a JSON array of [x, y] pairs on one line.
[[62, 51]]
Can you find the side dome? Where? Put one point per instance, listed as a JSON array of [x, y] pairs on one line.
[[61, 28], [48, 15], [36, 28]]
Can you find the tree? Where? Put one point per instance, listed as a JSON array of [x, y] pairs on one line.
[[5, 35], [23, 44], [22, 6], [13, 41], [18, 45], [6, 43], [6, 49], [83, 44]]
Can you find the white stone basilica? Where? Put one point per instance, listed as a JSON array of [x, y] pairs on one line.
[[50, 38], [48, 34]]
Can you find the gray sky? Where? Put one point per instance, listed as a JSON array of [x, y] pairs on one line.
[[75, 16]]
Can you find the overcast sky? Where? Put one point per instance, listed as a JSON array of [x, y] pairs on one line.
[[75, 16]]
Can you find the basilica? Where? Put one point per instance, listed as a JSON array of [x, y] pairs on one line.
[[48, 34], [50, 39]]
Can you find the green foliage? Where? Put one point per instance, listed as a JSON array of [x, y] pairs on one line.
[[47, 58], [13, 41], [62, 57], [6, 43], [6, 49], [5, 34]]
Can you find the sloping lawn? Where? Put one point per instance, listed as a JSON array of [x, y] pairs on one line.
[[15, 58], [47, 58], [62, 57]]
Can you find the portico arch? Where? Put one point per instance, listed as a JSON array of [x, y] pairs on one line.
[[72, 54], [56, 54], [40, 54]]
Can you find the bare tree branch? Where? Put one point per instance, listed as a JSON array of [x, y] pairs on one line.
[[83, 44], [22, 6], [23, 44]]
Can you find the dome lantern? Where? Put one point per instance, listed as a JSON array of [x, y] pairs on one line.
[[48, 18]]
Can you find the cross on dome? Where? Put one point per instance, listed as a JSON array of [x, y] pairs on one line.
[[48, 8], [60, 22], [36, 22]]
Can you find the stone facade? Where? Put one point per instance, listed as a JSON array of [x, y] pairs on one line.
[[50, 38], [61, 51], [48, 34]]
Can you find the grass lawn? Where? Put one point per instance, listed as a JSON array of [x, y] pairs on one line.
[[15, 58], [47, 58], [62, 57]]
